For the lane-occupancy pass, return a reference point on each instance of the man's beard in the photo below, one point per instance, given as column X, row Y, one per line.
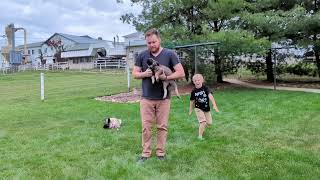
column 155, row 50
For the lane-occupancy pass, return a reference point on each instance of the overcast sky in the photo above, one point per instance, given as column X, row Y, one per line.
column 42, row 18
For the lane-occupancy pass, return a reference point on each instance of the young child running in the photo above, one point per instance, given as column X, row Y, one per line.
column 199, row 100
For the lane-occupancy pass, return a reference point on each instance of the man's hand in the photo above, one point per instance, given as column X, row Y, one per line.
column 147, row 73
column 216, row 109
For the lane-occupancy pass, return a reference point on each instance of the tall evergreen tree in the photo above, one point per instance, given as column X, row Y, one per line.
column 265, row 19
column 182, row 20
column 304, row 26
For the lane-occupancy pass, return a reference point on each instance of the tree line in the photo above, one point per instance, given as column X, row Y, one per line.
column 242, row 27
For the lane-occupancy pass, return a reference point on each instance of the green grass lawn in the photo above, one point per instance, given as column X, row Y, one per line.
column 259, row 134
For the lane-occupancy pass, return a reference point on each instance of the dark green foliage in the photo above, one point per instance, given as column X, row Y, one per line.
column 208, row 72
column 242, row 26
column 256, row 67
column 302, row 68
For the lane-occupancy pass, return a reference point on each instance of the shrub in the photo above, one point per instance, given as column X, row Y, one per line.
column 302, row 68
column 208, row 72
column 257, row 67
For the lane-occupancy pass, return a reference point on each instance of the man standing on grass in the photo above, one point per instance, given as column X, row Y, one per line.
column 152, row 104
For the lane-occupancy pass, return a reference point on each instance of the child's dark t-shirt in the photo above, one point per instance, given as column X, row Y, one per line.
column 201, row 98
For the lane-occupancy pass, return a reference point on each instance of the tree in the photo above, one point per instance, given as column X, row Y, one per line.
column 58, row 46
column 308, row 15
column 265, row 18
column 182, row 16
column 265, row 25
column 234, row 43
column 179, row 20
column 218, row 15
column 41, row 57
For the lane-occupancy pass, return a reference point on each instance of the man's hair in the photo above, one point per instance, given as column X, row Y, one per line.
column 198, row 76
column 152, row 31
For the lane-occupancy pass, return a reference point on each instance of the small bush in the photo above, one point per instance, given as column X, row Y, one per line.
column 208, row 72
column 301, row 69
column 257, row 67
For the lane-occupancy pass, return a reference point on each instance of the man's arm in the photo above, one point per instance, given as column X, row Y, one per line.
column 137, row 74
column 178, row 72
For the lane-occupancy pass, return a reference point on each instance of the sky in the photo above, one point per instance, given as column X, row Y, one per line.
column 43, row 18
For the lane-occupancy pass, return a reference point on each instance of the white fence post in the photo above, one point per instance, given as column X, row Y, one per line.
column 128, row 76
column 42, row 86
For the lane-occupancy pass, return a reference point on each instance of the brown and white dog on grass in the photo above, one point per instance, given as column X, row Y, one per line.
column 158, row 70
column 112, row 123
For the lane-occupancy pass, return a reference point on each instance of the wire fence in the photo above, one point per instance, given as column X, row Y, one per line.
column 31, row 85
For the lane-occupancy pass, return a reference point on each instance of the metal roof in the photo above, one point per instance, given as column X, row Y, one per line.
column 31, row 45
column 72, row 54
column 78, row 47
column 136, row 34
column 135, row 43
column 79, row 39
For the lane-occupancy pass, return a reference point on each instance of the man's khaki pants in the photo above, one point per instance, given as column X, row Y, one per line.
column 157, row 110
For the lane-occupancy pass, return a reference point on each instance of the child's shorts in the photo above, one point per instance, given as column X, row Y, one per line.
column 203, row 116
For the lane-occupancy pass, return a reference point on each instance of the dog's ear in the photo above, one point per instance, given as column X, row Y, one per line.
column 106, row 124
column 149, row 61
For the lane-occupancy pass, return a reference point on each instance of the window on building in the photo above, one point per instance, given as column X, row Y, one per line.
column 32, row 51
column 75, row 61
column 29, row 52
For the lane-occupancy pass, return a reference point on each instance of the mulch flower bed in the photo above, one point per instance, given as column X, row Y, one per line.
column 134, row 96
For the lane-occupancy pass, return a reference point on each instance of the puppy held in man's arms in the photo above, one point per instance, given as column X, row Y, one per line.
column 158, row 70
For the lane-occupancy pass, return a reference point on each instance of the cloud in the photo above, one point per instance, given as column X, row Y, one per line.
column 42, row 18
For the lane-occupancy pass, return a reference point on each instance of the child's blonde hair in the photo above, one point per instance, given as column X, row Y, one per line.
column 197, row 76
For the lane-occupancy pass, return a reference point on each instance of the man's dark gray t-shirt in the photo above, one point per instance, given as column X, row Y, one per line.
column 167, row 58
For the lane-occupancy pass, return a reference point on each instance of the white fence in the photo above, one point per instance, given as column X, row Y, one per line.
column 99, row 64
column 109, row 63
